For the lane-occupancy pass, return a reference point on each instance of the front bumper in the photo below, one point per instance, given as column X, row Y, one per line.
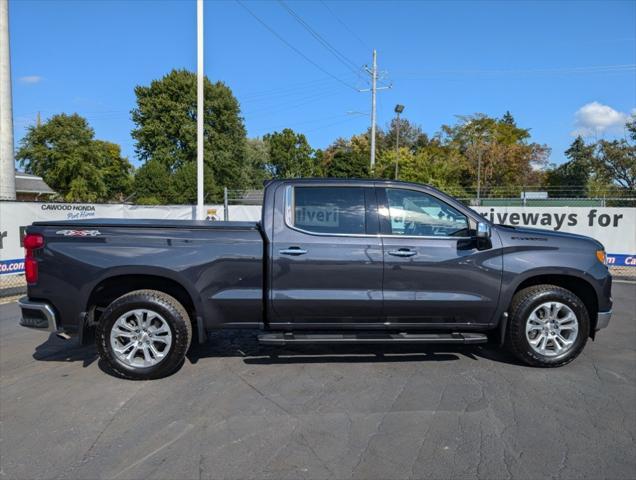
column 37, row 315
column 603, row 319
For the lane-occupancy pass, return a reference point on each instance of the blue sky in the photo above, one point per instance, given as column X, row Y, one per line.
column 540, row 60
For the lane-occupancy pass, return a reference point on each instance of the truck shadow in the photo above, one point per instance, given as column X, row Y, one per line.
column 244, row 344
column 55, row 349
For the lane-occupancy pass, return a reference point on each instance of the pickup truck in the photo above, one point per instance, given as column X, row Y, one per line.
column 331, row 261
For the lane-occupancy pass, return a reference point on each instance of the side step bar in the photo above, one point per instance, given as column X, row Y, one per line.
column 372, row 338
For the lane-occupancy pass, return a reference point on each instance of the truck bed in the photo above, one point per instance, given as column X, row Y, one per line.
column 218, row 265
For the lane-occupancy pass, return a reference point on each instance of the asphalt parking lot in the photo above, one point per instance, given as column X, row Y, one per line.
column 239, row 410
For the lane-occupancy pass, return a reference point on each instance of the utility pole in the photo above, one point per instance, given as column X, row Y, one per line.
column 200, row 113
column 373, row 71
column 7, row 163
column 374, row 78
column 38, row 121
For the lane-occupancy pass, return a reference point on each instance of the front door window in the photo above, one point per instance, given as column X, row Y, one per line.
column 414, row 213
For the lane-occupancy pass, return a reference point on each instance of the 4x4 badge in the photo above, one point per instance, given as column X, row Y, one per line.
column 78, row 233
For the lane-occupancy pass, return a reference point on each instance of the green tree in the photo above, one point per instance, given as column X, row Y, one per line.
column 508, row 119
column 117, row 171
column 616, row 162
column 346, row 158
column 411, row 135
column 152, row 183
column 64, row 152
column 572, row 176
column 165, row 118
column 258, row 161
column 438, row 165
column 290, row 155
column 500, row 147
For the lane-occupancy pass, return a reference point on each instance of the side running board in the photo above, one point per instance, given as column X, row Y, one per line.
column 372, row 338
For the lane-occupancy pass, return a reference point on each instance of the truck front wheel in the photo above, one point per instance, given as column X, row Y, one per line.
column 549, row 326
column 144, row 335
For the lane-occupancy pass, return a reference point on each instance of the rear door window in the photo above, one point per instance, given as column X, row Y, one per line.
column 336, row 210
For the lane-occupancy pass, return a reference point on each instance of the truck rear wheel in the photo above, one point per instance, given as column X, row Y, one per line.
column 549, row 326
column 144, row 335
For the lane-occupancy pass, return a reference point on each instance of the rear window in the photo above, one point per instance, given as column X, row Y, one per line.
column 329, row 209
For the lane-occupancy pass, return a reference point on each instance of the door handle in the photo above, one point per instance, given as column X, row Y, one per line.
column 402, row 252
column 293, row 251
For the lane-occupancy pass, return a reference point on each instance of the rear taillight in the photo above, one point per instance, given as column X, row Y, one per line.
column 32, row 241
column 31, row 269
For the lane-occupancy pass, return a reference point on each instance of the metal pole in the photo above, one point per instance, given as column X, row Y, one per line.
column 226, row 206
column 7, row 163
column 479, row 176
column 200, row 114
column 374, row 76
column 397, row 146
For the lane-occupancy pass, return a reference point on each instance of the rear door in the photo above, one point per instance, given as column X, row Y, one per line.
column 434, row 272
column 326, row 257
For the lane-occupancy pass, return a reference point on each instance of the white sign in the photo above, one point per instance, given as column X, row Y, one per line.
column 615, row 228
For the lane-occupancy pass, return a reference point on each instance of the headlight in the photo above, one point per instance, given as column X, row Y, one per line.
column 600, row 255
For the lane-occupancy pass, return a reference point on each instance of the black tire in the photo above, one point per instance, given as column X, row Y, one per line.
column 172, row 312
column 523, row 304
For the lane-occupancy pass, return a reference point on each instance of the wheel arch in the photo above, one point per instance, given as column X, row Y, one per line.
column 114, row 286
column 570, row 280
column 575, row 284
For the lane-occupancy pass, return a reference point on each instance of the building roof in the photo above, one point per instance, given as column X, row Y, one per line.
column 27, row 183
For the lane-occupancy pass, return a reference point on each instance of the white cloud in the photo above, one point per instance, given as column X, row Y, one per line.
column 30, row 79
column 595, row 119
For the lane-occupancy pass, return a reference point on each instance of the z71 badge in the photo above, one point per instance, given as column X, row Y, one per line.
column 78, row 233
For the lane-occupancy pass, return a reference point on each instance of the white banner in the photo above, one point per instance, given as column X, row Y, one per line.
column 615, row 228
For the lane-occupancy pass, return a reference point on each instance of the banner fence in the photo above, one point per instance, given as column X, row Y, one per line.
column 614, row 227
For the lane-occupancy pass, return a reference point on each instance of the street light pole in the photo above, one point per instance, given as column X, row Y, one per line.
column 200, row 113
column 398, row 109
column 479, row 176
column 7, row 165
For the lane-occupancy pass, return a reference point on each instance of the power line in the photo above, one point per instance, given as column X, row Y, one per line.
column 342, row 58
column 290, row 105
column 296, row 124
column 540, row 71
column 346, row 27
column 285, row 91
column 322, row 127
column 277, row 35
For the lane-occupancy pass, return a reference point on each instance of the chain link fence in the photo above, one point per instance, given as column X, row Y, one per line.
column 511, row 196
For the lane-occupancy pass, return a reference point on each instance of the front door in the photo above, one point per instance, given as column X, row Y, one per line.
column 327, row 258
column 434, row 272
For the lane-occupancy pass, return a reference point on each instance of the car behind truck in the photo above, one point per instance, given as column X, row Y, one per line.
column 331, row 261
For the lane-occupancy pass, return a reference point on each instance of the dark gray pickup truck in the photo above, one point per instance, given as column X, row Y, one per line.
column 331, row 261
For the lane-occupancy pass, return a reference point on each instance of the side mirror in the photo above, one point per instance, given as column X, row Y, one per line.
column 483, row 230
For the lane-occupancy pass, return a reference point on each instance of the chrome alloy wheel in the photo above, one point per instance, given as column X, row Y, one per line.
column 552, row 328
column 140, row 338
